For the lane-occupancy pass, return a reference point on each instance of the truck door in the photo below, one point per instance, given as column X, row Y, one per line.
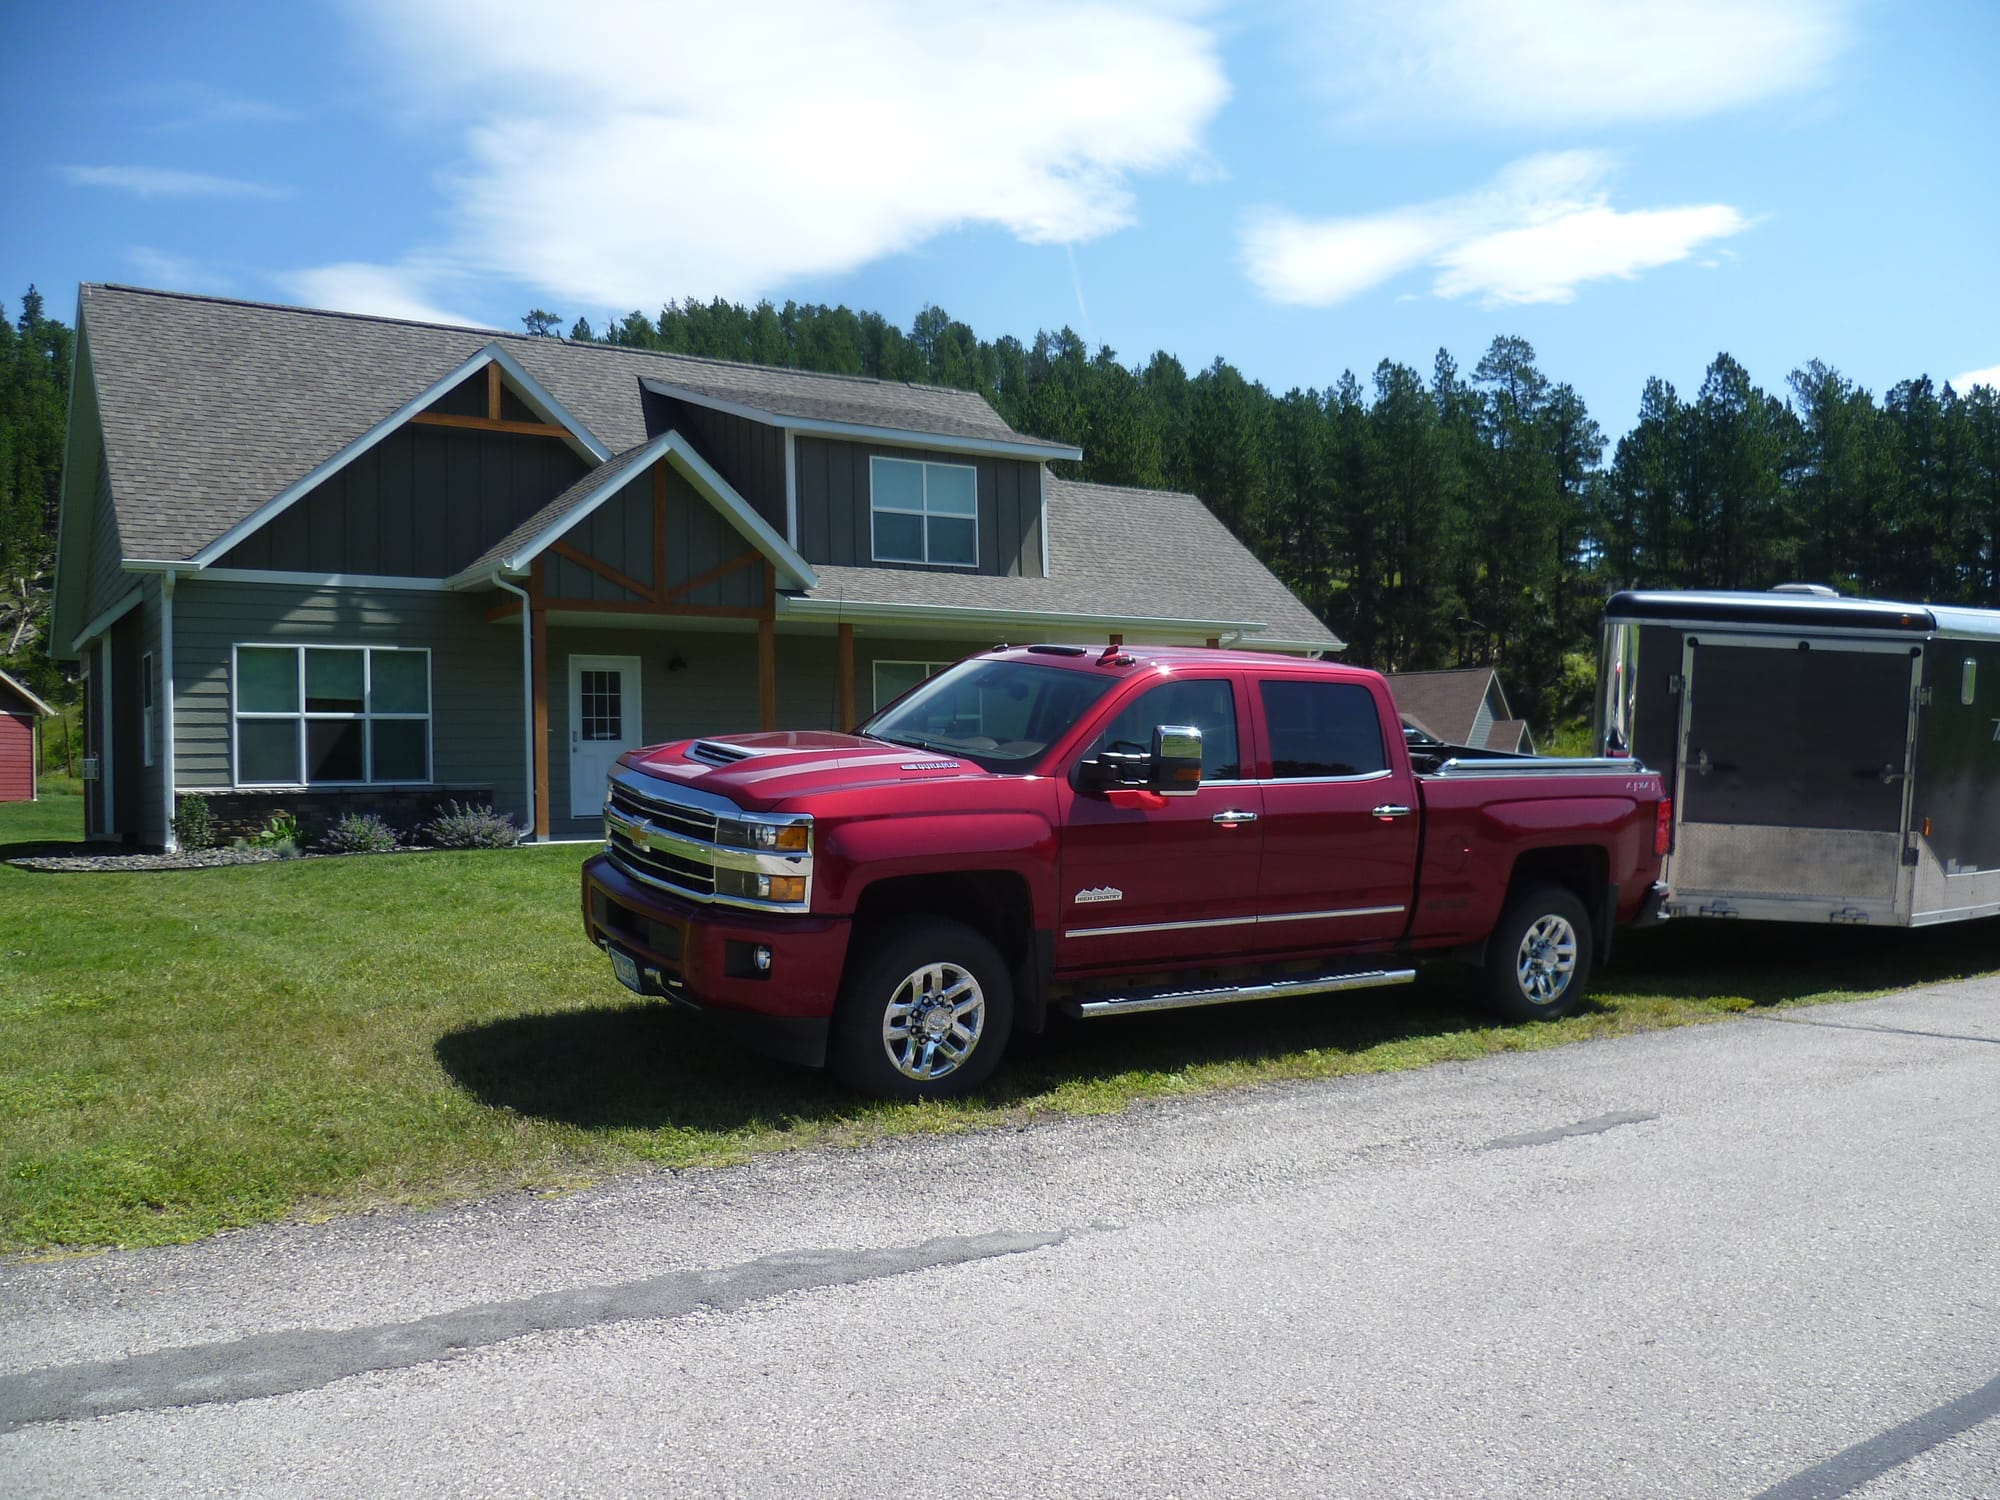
column 1174, row 881
column 1794, row 772
column 1340, row 821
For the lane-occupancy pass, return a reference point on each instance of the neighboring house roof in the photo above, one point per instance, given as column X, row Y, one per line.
column 191, row 455
column 11, row 689
column 1447, row 702
column 1509, row 734
column 1129, row 554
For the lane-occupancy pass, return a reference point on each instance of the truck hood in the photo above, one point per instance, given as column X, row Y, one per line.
column 754, row 769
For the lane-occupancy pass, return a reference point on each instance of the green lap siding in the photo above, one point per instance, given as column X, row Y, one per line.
column 476, row 709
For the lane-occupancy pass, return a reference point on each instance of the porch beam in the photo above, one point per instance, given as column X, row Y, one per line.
column 844, row 636
column 605, row 571
column 538, row 625
column 767, row 653
column 501, row 612
column 621, row 607
column 489, row 424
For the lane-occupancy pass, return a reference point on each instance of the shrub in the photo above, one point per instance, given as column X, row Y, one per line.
column 281, row 830
column 359, row 833
column 462, row 826
column 194, row 822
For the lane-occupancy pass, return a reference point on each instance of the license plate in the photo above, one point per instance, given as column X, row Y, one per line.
column 626, row 967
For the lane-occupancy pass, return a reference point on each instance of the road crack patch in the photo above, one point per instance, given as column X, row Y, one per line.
column 280, row 1363
column 1596, row 1125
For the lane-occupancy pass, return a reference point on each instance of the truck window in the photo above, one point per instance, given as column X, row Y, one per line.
column 1207, row 703
column 1322, row 729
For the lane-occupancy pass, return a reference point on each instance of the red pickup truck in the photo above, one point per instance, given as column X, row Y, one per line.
column 1105, row 831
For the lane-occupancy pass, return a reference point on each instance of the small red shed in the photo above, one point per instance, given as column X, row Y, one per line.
column 21, row 713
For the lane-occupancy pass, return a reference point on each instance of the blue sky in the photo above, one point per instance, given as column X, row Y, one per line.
column 1300, row 188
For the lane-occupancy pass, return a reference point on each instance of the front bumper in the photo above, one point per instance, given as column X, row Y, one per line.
column 703, row 957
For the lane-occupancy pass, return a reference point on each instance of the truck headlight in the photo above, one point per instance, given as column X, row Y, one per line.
column 756, row 886
column 778, row 838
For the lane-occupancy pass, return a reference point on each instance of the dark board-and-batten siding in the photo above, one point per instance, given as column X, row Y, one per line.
column 619, row 533
column 476, row 723
column 835, row 522
column 750, row 455
column 423, row 502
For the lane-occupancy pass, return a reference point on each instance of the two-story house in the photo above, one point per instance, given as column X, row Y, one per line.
column 312, row 561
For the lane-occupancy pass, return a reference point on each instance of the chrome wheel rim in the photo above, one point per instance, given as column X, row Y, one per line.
column 934, row 1020
column 1547, row 960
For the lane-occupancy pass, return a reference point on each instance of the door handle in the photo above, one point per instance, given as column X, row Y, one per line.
column 1231, row 819
column 1390, row 810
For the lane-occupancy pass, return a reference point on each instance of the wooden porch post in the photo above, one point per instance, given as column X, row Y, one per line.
column 538, row 627
column 767, row 653
column 1215, row 643
column 845, row 652
column 1117, row 639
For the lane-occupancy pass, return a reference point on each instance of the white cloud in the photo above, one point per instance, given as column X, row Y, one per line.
column 169, row 182
column 403, row 291
column 657, row 151
column 1545, row 63
column 1990, row 376
column 1538, row 231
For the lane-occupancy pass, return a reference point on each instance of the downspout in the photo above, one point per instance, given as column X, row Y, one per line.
column 168, row 840
column 527, row 695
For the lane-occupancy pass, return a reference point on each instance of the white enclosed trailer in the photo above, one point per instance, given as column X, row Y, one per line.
column 1831, row 760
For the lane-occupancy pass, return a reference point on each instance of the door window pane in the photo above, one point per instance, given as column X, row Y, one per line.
column 399, row 682
column 400, row 753
column 333, row 750
column 601, row 705
column 1322, row 729
column 267, row 680
column 1207, row 703
column 333, row 682
column 267, row 750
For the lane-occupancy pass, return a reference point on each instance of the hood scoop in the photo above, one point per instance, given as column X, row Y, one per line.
column 715, row 753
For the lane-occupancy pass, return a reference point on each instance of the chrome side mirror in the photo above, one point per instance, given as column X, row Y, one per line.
column 1176, row 760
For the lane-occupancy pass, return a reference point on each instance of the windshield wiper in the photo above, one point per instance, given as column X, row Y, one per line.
column 915, row 742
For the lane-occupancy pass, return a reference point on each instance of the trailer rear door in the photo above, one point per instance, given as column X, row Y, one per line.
column 1794, row 774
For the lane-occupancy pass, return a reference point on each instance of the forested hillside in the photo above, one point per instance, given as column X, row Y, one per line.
column 1432, row 518
column 1458, row 516
column 34, row 402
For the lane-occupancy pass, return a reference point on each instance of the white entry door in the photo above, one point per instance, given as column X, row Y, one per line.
column 603, row 725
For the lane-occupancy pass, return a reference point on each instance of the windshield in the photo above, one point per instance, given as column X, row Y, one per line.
column 998, row 714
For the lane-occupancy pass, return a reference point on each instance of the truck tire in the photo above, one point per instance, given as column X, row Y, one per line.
column 1538, row 959
column 924, row 1011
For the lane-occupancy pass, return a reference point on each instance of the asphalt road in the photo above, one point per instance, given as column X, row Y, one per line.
column 1755, row 1259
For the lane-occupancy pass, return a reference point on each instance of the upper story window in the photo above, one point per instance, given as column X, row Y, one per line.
column 306, row 715
column 924, row 512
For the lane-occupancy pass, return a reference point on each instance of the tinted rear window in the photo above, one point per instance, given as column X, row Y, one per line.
column 1322, row 729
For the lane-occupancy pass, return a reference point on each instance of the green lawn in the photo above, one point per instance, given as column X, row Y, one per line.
column 185, row 1051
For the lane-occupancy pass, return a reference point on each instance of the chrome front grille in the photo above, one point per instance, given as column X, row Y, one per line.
column 694, row 844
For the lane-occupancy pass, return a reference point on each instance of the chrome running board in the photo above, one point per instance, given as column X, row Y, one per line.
column 1147, row 1000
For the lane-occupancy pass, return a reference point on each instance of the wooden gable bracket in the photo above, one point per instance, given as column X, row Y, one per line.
column 605, row 571
column 492, row 421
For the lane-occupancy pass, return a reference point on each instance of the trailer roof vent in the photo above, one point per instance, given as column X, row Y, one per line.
column 1816, row 590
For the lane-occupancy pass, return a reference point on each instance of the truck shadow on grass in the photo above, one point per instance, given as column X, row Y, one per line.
column 647, row 1066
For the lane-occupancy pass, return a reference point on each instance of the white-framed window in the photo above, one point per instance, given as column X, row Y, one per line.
column 895, row 678
column 146, row 709
column 330, row 715
column 923, row 512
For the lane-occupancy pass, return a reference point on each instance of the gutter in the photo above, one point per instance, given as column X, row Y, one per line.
column 168, row 840
column 794, row 606
column 527, row 692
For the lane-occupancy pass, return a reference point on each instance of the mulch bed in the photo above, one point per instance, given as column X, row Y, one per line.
column 109, row 859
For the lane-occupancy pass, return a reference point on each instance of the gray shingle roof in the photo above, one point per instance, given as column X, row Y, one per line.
column 1447, row 701
column 212, row 407
column 1121, row 553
